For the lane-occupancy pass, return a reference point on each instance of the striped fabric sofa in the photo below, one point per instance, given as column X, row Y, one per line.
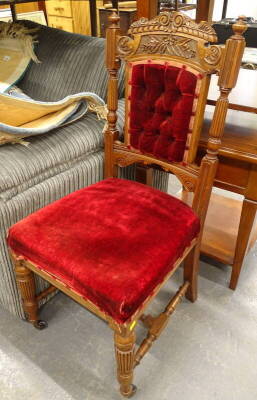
column 59, row 162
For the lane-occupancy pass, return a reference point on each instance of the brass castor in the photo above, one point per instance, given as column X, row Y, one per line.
column 40, row 324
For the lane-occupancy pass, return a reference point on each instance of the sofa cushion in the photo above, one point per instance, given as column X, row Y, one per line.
column 70, row 64
column 47, row 155
column 113, row 242
column 50, row 154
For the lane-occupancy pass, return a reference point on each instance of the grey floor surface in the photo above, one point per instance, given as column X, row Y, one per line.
column 208, row 351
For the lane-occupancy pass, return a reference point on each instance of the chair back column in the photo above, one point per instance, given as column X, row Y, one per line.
column 113, row 65
column 228, row 77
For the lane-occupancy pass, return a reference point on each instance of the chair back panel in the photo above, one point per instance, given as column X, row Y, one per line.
column 169, row 61
column 162, row 100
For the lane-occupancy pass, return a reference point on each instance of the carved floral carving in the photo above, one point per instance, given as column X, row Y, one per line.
column 126, row 159
column 213, row 55
column 173, row 45
column 125, row 45
column 174, row 22
column 185, row 181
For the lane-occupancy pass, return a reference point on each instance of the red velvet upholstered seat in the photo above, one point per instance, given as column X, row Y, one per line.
column 112, row 242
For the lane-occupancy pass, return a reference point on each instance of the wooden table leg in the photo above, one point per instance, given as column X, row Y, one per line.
column 144, row 175
column 204, row 10
column 147, row 8
column 245, row 226
column 92, row 6
column 244, row 231
column 13, row 12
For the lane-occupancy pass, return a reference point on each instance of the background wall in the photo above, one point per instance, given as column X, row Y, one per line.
column 235, row 8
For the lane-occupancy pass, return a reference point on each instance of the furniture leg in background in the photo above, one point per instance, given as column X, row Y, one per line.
column 92, row 5
column 245, row 228
column 204, row 10
column 13, row 11
column 78, row 11
column 147, row 8
column 224, row 10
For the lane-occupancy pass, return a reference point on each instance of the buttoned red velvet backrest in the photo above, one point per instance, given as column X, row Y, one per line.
column 162, row 100
column 168, row 66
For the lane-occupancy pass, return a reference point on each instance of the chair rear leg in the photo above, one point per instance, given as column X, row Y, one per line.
column 26, row 283
column 124, row 350
column 191, row 269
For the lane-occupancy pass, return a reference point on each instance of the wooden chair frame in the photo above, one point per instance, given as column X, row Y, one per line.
column 207, row 60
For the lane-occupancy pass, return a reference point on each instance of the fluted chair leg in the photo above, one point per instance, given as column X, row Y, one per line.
column 26, row 284
column 124, row 350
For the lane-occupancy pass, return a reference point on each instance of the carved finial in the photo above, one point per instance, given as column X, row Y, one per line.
column 113, row 19
column 239, row 27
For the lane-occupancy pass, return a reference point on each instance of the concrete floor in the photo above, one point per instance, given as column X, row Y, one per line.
column 208, row 351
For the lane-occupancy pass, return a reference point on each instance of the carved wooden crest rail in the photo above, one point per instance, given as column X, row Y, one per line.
column 173, row 35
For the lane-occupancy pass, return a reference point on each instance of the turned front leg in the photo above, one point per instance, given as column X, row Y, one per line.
column 124, row 349
column 26, row 283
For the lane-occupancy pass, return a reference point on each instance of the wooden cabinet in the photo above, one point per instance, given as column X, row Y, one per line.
column 61, row 8
column 127, row 16
column 21, row 8
column 68, row 15
column 63, row 23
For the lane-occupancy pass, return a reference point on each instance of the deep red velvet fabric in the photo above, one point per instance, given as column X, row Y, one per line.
column 112, row 242
column 161, row 103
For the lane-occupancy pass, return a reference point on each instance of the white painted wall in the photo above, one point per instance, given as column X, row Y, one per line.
column 235, row 8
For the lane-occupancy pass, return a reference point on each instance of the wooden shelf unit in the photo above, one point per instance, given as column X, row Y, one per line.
column 68, row 15
column 221, row 227
column 81, row 18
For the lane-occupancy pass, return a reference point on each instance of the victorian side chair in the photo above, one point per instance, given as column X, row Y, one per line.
column 112, row 245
